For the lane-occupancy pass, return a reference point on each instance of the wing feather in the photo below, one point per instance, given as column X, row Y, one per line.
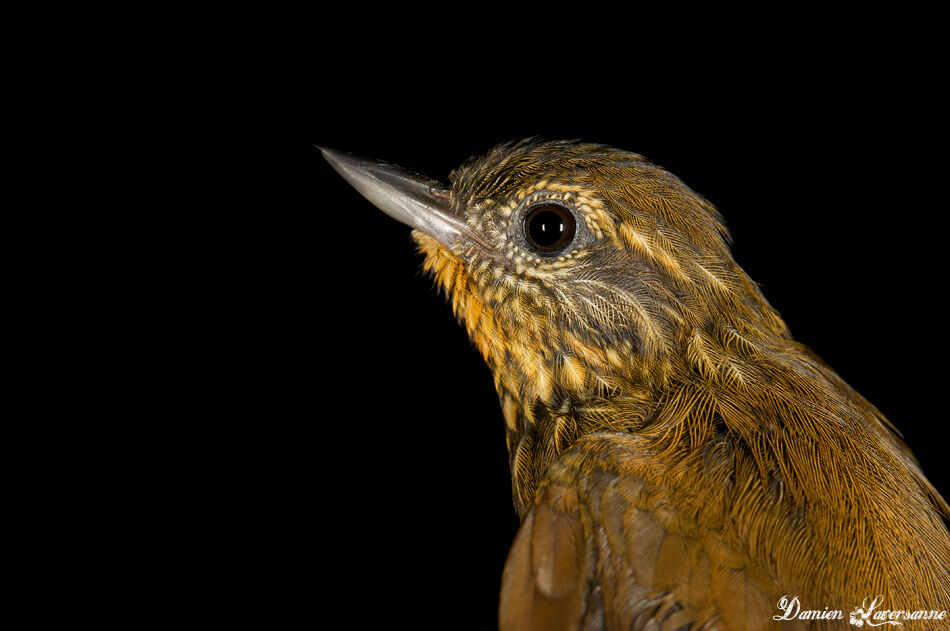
column 605, row 547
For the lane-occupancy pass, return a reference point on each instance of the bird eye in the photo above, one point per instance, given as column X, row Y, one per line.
column 549, row 228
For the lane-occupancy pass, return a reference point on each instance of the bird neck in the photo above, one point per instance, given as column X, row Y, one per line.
column 550, row 399
column 539, row 429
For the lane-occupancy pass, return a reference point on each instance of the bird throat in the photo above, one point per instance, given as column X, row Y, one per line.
column 549, row 397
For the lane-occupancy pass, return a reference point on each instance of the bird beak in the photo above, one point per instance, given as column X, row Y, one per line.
column 416, row 201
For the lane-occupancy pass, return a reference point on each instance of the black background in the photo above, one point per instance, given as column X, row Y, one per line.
column 243, row 399
column 379, row 464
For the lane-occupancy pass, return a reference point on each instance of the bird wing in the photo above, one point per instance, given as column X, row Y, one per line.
column 605, row 547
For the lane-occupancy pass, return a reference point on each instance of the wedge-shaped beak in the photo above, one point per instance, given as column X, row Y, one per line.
column 414, row 200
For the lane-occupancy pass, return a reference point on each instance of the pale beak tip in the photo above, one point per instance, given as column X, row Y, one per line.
column 332, row 155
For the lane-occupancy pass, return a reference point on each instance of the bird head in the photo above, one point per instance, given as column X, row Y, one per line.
column 578, row 270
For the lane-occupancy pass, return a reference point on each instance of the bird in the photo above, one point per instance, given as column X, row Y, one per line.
column 678, row 460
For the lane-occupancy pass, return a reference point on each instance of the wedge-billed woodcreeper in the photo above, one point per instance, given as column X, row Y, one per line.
column 678, row 460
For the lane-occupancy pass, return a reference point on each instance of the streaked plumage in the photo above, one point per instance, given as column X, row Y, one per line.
column 678, row 459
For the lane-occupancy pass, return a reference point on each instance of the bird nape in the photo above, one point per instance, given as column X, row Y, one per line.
column 678, row 460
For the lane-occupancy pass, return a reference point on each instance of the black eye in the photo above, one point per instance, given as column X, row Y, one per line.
column 549, row 227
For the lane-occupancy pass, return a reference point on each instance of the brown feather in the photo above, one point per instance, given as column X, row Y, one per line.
column 678, row 459
column 545, row 579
